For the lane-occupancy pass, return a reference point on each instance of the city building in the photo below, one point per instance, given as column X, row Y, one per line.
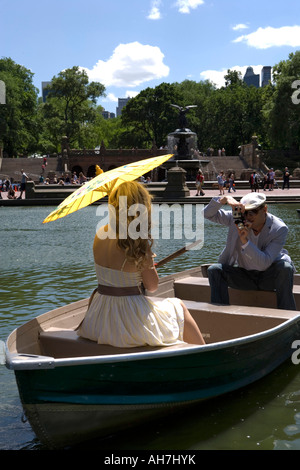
column 44, row 91
column 251, row 78
column 121, row 103
column 108, row 115
column 266, row 75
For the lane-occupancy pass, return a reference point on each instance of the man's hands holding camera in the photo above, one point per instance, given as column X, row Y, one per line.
column 243, row 226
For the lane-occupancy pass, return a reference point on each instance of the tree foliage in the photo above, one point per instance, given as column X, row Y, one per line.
column 18, row 122
column 71, row 105
column 224, row 117
column 234, row 116
column 282, row 112
column 150, row 117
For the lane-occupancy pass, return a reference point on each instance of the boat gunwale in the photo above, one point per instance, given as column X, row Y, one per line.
column 23, row 361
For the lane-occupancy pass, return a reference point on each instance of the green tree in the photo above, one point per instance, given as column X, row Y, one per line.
column 233, row 77
column 149, row 117
column 282, row 111
column 234, row 115
column 71, row 105
column 106, row 131
column 199, row 94
column 18, row 123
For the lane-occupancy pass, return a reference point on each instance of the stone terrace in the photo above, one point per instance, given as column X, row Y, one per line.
column 11, row 167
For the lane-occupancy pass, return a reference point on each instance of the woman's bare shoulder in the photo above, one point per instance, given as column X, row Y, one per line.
column 108, row 254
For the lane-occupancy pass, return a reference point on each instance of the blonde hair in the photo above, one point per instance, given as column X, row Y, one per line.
column 135, row 249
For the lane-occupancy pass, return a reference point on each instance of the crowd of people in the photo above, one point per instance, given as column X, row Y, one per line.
column 226, row 183
column 257, row 182
column 64, row 179
column 267, row 182
column 210, row 152
column 7, row 186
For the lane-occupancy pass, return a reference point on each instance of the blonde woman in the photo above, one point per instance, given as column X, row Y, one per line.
column 119, row 313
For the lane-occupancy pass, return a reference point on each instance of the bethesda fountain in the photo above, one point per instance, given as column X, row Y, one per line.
column 183, row 165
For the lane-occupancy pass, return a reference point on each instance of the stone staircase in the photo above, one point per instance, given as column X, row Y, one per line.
column 226, row 164
column 11, row 167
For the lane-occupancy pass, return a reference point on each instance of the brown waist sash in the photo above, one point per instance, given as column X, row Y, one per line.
column 115, row 291
column 118, row 291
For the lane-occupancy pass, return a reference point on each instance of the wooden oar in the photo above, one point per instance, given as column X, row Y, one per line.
column 176, row 253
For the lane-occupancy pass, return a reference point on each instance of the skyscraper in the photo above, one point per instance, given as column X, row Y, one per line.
column 44, row 91
column 108, row 115
column 266, row 75
column 121, row 103
column 251, row 78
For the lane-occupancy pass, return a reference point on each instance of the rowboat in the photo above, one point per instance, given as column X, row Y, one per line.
column 73, row 389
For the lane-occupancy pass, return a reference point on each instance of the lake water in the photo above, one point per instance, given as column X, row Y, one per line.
column 46, row 266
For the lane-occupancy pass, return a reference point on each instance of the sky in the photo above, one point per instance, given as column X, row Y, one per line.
column 130, row 45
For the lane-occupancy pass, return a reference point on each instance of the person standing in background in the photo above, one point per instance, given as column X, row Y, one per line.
column 221, row 181
column 272, row 178
column 199, row 183
column 24, row 179
column 286, row 178
column 231, row 183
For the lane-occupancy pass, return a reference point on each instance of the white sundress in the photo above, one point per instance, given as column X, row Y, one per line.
column 129, row 321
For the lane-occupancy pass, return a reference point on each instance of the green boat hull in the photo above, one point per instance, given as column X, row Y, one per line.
column 70, row 403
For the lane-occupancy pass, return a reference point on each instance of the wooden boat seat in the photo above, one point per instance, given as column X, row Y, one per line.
column 60, row 343
column 217, row 323
column 198, row 289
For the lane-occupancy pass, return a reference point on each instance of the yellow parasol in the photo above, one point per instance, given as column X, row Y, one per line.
column 102, row 185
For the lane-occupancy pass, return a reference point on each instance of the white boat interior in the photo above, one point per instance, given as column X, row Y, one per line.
column 53, row 334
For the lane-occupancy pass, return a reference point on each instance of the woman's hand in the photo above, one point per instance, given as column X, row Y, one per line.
column 149, row 274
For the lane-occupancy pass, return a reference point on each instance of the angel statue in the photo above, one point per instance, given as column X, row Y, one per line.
column 182, row 113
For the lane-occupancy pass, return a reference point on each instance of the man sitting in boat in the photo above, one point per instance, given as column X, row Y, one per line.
column 254, row 257
column 119, row 314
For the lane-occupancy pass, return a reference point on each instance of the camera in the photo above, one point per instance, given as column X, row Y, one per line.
column 238, row 217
